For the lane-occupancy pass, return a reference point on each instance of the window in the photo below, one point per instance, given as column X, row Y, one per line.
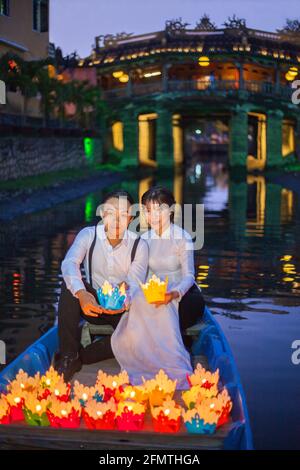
column 4, row 7
column 40, row 16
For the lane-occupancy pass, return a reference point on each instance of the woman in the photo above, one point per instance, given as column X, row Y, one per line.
column 148, row 336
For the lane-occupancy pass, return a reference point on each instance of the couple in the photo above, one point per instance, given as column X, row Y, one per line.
column 147, row 337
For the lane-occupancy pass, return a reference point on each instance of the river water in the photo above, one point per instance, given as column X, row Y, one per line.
column 248, row 269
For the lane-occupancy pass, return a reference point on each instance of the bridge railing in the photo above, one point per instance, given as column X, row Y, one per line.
column 206, row 86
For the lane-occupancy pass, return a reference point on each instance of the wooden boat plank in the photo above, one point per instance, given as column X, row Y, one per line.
column 104, row 330
column 20, row 436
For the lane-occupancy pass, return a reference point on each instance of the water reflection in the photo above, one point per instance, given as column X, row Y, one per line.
column 248, row 269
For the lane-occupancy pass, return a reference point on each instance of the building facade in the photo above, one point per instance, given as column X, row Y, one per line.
column 24, row 28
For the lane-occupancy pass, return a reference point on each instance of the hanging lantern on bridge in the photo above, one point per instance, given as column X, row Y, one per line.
column 118, row 74
column 124, row 78
column 291, row 74
column 203, row 61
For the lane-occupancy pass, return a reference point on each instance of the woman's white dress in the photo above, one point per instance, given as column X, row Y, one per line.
column 148, row 338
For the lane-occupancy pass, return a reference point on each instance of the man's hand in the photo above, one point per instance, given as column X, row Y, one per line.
column 112, row 312
column 169, row 296
column 88, row 303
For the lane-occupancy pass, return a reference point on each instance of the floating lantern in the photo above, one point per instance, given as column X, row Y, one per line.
column 48, row 382
column 60, row 390
column 83, row 393
column 207, row 380
column 155, row 289
column 4, row 411
column 64, row 414
column 167, row 417
column 130, row 416
column 111, row 297
column 201, row 420
column 136, row 393
column 221, row 404
column 15, row 399
column 112, row 383
column 193, row 396
column 100, row 415
column 25, row 382
column 35, row 410
column 159, row 388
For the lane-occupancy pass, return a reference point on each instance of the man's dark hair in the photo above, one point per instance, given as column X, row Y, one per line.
column 118, row 193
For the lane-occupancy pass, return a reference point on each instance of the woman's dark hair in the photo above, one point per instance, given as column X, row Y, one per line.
column 118, row 193
column 160, row 195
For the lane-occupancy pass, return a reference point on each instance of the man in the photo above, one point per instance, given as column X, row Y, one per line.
column 109, row 252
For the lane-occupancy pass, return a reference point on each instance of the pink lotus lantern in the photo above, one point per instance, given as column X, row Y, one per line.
column 48, row 383
column 4, row 411
column 207, row 380
column 64, row 414
column 100, row 415
column 130, row 416
column 112, row 383
column 15, row 399
column 167, row 417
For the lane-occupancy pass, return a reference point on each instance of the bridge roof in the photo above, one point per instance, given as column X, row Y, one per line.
column 123, row 48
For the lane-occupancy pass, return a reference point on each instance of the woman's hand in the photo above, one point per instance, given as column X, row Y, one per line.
column 125, row 285
column 88, row 303
column 169, row 296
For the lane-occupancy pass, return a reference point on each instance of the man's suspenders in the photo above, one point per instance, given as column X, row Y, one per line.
column 91, row 250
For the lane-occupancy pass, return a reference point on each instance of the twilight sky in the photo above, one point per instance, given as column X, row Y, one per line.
column 75, row 23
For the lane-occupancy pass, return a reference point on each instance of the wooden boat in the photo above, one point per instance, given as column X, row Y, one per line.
column 210, row 348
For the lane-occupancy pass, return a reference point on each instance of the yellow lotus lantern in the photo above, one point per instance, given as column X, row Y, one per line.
column 50, row 379
column 35, row 410
column 16, row 395
column 25, row 382
column 221, row 405
column 97, row 410
column 83, row 393
column 136, row 393
column 207, row 380
column 168, row 408
column 33, row 404
column 155, row 289
column 159, row 388
column 112, row 383
column 193, row 396
column 15, row 398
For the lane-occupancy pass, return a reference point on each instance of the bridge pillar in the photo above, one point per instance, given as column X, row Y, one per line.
column 164, row 138
column 130, row 138
column 274, row 138
column 238, row 146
